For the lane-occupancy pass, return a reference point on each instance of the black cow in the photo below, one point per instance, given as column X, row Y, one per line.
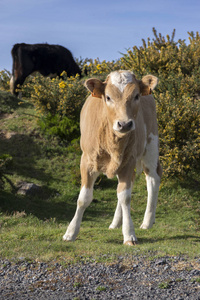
column 46, row 59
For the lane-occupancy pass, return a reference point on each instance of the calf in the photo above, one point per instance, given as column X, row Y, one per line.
column 46, row 59
column 119, row 132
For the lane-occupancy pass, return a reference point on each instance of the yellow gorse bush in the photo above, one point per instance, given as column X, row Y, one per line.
column 56, row 96
column 100, row 69
column 5, row 80
column 58, row 103
column 177, row 65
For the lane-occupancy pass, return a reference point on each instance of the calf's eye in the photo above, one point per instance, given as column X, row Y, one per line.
column 108, row 98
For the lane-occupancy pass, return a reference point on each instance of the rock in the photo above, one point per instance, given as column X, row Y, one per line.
column 160, row 262
column 25, row 188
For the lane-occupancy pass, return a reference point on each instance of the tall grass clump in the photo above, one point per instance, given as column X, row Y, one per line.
column 177, row 65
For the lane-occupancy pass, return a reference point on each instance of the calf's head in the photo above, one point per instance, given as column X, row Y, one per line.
column 121, row 95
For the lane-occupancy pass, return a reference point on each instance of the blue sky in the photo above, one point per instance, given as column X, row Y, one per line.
column 92, row 29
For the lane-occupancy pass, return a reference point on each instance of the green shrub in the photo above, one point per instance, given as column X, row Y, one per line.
column 177, row 65
column 5, row 80
column 58, row 103
column 178, row 120
column 61, row 126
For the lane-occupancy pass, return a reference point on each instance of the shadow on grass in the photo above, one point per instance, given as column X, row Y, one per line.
column 9, row 103
column 142, row 241
column 171, row 238
column 24, row 152
column 47, row 204
column 103, row 183
column 191, row 184
column 49, row 207
column 42, row 208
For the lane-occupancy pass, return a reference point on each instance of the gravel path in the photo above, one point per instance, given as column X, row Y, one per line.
column 137, row 278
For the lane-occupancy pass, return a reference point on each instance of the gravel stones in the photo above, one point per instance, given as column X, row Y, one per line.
column 136, row 278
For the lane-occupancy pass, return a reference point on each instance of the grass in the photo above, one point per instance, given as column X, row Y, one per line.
column 164, row 285
column 32, row 227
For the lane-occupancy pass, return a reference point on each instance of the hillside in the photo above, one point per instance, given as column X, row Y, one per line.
column 32, row 225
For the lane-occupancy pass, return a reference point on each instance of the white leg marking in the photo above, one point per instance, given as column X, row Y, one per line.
column 150, row 161
column 117, row 220
column 150, row 213
column 128, row 231
column 84, row 200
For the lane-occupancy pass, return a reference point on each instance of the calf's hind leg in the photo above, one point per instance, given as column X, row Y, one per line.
column 153, row 182
column 84, row 199
column 117, row 219
column 153, row 171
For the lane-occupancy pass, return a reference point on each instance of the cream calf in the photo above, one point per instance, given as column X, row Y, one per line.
column 119, row 132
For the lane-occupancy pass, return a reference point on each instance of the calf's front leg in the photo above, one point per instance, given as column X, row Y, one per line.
column 84, row 199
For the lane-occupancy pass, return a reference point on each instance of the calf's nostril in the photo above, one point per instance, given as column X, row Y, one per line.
column 120, row 124
column 129, row 124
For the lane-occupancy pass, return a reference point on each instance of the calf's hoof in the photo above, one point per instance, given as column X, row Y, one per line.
column 114, row 226
column 68, row 238
column 146, row 226
column 131, row 243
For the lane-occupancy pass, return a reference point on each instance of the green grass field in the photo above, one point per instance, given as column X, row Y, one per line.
column 32, row 227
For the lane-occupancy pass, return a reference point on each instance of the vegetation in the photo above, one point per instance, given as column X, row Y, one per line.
column 39, row 142
column 5, row 80
column 5, row 160
column 177, row 65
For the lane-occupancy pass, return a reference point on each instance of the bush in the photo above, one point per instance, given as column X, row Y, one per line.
column 61, row 126
column 5, row 80
column 177, row 66
column 100, row 69
column 58, row 103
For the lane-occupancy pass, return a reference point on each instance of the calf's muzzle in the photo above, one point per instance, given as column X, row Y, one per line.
column 124, row 127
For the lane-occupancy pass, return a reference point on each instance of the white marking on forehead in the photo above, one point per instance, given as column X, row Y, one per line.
column 121, row 79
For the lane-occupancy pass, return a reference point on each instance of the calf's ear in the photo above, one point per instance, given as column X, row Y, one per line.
column 95, row 86
column 147, row 84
